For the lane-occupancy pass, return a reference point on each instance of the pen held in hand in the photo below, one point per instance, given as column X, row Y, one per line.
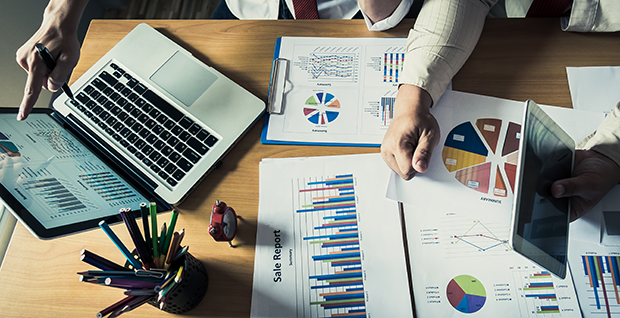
column 51, row 64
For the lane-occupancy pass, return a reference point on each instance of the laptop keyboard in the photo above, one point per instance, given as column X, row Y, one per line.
column 157, row 134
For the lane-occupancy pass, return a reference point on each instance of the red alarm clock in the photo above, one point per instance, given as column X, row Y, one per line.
column 223, row 224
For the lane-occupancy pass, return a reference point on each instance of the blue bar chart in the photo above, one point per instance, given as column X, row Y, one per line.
column 392, row 64
column 387, row 110
column 331, row 239
column 537, row 292
column 604, row 281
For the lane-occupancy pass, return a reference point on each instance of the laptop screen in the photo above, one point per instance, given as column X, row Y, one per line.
column 55, row 177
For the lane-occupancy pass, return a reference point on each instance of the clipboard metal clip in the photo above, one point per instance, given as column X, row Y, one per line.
column 277, row 86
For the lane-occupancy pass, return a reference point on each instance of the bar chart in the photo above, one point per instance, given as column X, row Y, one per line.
column 110, row 188
column 604, row 281
column 60, row 199
column 331, row 240
column 537, row 292
column 392, row 65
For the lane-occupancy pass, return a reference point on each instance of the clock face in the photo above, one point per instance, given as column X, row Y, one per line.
column 229, row 224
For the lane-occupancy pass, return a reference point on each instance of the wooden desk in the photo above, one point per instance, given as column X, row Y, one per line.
column 515, row 59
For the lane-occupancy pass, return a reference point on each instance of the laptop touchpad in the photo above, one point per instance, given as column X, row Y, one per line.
column 183, row 78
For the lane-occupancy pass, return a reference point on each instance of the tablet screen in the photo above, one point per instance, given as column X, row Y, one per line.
column 540, row 229
column 56, row 180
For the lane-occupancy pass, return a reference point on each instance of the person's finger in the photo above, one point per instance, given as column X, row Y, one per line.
column 423, row 153
column 403, row 156
column 32, row 89
column 390, row 161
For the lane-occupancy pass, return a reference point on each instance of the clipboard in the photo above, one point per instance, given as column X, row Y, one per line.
column 337, row 73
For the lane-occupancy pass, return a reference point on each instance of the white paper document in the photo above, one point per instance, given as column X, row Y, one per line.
column 338, row 90
column 458, row 219
column 594, row 88
column 329, row 244
column 594, row 258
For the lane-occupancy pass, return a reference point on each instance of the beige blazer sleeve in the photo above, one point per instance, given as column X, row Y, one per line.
column 443, row 36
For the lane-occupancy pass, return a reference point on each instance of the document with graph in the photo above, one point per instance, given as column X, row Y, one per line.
column 338, row 90
column 329, row 243
column 458, row 216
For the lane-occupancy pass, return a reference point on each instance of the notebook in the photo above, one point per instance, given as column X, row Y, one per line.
column 147, row 115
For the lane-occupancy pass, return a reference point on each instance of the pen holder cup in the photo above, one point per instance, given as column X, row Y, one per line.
column 187, row 294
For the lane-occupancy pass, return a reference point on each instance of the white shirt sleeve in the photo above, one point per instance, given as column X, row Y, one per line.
column 398, row 15
column 593, row 16
column 607, row 137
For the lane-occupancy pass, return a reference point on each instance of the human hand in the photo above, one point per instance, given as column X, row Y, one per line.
column 58, row 33
column 413, row 133
column 593, row 176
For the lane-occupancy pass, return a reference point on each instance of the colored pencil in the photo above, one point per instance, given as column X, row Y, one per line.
column 144, row 211
column 172, row 224
column 136, row 237
column 100, row 262
column 154, row 235
column 106, row 228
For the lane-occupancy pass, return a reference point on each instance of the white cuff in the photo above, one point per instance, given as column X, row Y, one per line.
column 394, row 19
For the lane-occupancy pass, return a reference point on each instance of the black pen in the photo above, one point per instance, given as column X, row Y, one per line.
column 51, row 64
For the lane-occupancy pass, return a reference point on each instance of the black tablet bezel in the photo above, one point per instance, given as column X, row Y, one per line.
column 524, row 192
column 36, row 228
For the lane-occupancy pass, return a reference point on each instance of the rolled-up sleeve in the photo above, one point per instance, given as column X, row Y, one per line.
column 443, row 37
column 606, row 139
column 593, row 16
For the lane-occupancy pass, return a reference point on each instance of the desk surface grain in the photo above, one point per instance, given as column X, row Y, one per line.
column 516, row 59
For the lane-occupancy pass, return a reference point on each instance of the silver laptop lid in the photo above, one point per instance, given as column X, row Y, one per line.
column 210, row 108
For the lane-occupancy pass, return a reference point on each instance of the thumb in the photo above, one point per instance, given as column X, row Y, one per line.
column 422, row 154
column 565, row 188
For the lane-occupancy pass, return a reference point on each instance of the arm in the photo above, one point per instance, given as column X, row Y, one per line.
column 597, row 168
column 58, row 32
column 443, row 37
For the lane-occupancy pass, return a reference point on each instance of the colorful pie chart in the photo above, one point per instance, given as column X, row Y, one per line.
column 466, row 294
column 467, row 154
column 321, row 108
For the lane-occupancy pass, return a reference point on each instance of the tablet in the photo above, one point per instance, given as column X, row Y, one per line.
column 540, row 222
column 54, row 183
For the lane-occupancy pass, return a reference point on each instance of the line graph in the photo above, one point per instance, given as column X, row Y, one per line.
column 481, row 238
column 329, row 64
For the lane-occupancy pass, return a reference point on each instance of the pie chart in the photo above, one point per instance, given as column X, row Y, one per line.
column 483, row 155
column 466, row 294
column 321, row 108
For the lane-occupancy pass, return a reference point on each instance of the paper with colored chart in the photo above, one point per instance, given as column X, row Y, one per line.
column 338, row 90
column 329, row 244
column 594, row 258
column 458, row 216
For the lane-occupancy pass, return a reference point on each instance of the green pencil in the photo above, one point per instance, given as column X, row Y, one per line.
column 154, row 235
column 173, row 222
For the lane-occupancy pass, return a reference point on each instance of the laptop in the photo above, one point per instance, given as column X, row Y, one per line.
column 149, row 121
column 540, row 222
